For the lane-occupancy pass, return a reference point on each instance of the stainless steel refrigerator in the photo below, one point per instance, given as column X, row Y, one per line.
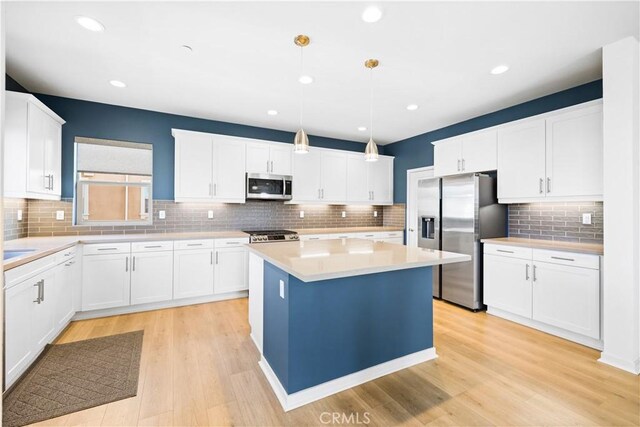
column 467, row 211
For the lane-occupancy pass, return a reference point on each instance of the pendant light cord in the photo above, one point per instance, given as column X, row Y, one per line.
column 301, row 85
column 371, row 104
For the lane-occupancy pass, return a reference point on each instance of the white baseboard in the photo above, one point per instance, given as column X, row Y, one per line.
column 320, row 391
column 552, row 330
column 255, row 342
column 82, row 315
column 616, row 362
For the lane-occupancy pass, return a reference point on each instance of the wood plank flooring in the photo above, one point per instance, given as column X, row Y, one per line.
column 199, row 367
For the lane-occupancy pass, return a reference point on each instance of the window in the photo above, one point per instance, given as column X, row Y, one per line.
column 113, row 182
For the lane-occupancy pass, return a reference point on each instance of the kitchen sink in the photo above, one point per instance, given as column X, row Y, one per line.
column 8, row 254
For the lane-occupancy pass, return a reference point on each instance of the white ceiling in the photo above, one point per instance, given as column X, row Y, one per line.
column 434, row 54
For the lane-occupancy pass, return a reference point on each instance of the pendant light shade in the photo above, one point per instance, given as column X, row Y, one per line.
column 371, row 150
column 301, row 142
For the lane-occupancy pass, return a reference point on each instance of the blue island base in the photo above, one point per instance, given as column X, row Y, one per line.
column 327, row 336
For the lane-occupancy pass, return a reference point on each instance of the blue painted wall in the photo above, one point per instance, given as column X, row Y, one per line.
column 417, row 151
column 331, row 328
column 92, row 119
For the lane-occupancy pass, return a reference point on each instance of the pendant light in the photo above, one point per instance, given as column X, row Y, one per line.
column 301, row 140
column 371, row 151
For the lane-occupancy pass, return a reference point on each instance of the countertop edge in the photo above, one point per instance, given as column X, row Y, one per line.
column 548, row 245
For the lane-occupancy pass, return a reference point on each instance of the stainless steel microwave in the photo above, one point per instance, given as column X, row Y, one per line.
column 268, row 187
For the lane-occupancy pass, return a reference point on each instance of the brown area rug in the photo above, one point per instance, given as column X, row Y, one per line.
column 75, row 376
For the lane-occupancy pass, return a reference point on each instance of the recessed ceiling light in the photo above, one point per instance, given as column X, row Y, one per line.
column 89, row 23
column 412, row 107
column 372, row 14
column 187, row 48
column 305, row 80
column 362, row 128
column 500, row 69
column 272, row 112
column 117, row 83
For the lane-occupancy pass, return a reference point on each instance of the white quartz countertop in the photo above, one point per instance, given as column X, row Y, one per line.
column 315, row 260
column 584, row 248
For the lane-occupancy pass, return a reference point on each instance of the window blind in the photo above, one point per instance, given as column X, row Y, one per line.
column 109, row 156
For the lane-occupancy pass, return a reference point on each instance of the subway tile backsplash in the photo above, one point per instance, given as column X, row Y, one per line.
column 14, row 228
column 253, row 215
column 394, row 215
column 560, row 221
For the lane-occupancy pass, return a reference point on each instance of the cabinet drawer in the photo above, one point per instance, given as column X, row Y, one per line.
column 305, row 237
column 567, row 258
column 26, row 271
column 370, row 235
column 193, row 244
column 508, row 251
column 344, row 236
column 65, row 255
column 390, row 234
column 228, row 243
column 151, row 246
column 107, row 248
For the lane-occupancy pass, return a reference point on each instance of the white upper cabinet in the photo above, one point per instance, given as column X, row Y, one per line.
column 521, row 160
column 574, row 153
column 266, row 157
column 358, row 190
column 209, row 167
column 333, row 177
column 33, row 147
column 380, row 179
column 306, row 175
column 472, row 152
column 557, row 156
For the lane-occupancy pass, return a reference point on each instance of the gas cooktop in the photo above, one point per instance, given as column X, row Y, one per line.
column 271, row 236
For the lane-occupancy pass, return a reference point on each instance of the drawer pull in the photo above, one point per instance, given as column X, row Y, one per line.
column 107, row 249
column 502, row 250
column 368, row 235
column 562, row 259
column 232, row 243
column 194, row 244
column 314, row 238
column 154, row 246
column 527, row 273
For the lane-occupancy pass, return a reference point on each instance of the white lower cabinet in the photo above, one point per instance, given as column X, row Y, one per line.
column 557, row 292
column 67, row 292
column 151, row 277
column 231, row 269
column 193, row 270
column 43, row 323
column 106, row 281
column 19, row 349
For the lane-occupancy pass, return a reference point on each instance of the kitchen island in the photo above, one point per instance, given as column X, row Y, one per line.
column 329, row 315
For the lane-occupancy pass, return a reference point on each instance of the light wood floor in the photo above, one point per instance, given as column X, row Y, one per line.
column 199, row 367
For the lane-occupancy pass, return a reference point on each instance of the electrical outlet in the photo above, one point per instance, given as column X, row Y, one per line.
column 210, row 214
column 375, row 214
column 586, row 218
column 344, row 214
column 60, row 215
column 282, row 289
column 19, row 214
column 301, row 214
column 162, row 214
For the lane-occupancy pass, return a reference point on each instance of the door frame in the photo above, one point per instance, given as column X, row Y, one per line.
column 411, row 219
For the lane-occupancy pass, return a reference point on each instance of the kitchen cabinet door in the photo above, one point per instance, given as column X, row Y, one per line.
column 480, row 151
column 19, row 302
column 230, row 270
column 37, row 129
column 357, row 184
column 258, row 158
column 521, row 160
column 151, row 277
column 65, row 293
column 42, row 315
column 306, row 176
column 334, row 177
column 447, row 157
column 567, row 297
column 380, row 178
column 507, row 284
column 574, row 153
column 193, row 273
column 105, row 281
column 193, row 167
column 229, row 165
column 52, row 155
column 280, row 157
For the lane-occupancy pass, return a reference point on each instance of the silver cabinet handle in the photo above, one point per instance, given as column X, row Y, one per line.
column 42, row 290
column 153, row 246
column 37, row 300
column 540, row 186
column 411, row 230
column 462, row 165
column 267, row 165
column 502, row 250
column 534, row 273
column 232, row 243
column 458, row 165
column 194, row 244
column 323, row 193
column 210, row 189
column 548, row 185
column 527, row 273
column 107, row 249
column 126, row 264
column 562, row 259
column 216, row 257
column 373, row 194
column 215, row 189
column 318, row 193
column 211, row 258
column 133, row 264
column 51, row 188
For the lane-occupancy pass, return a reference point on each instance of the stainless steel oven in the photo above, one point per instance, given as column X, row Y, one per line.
column 268, row 187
